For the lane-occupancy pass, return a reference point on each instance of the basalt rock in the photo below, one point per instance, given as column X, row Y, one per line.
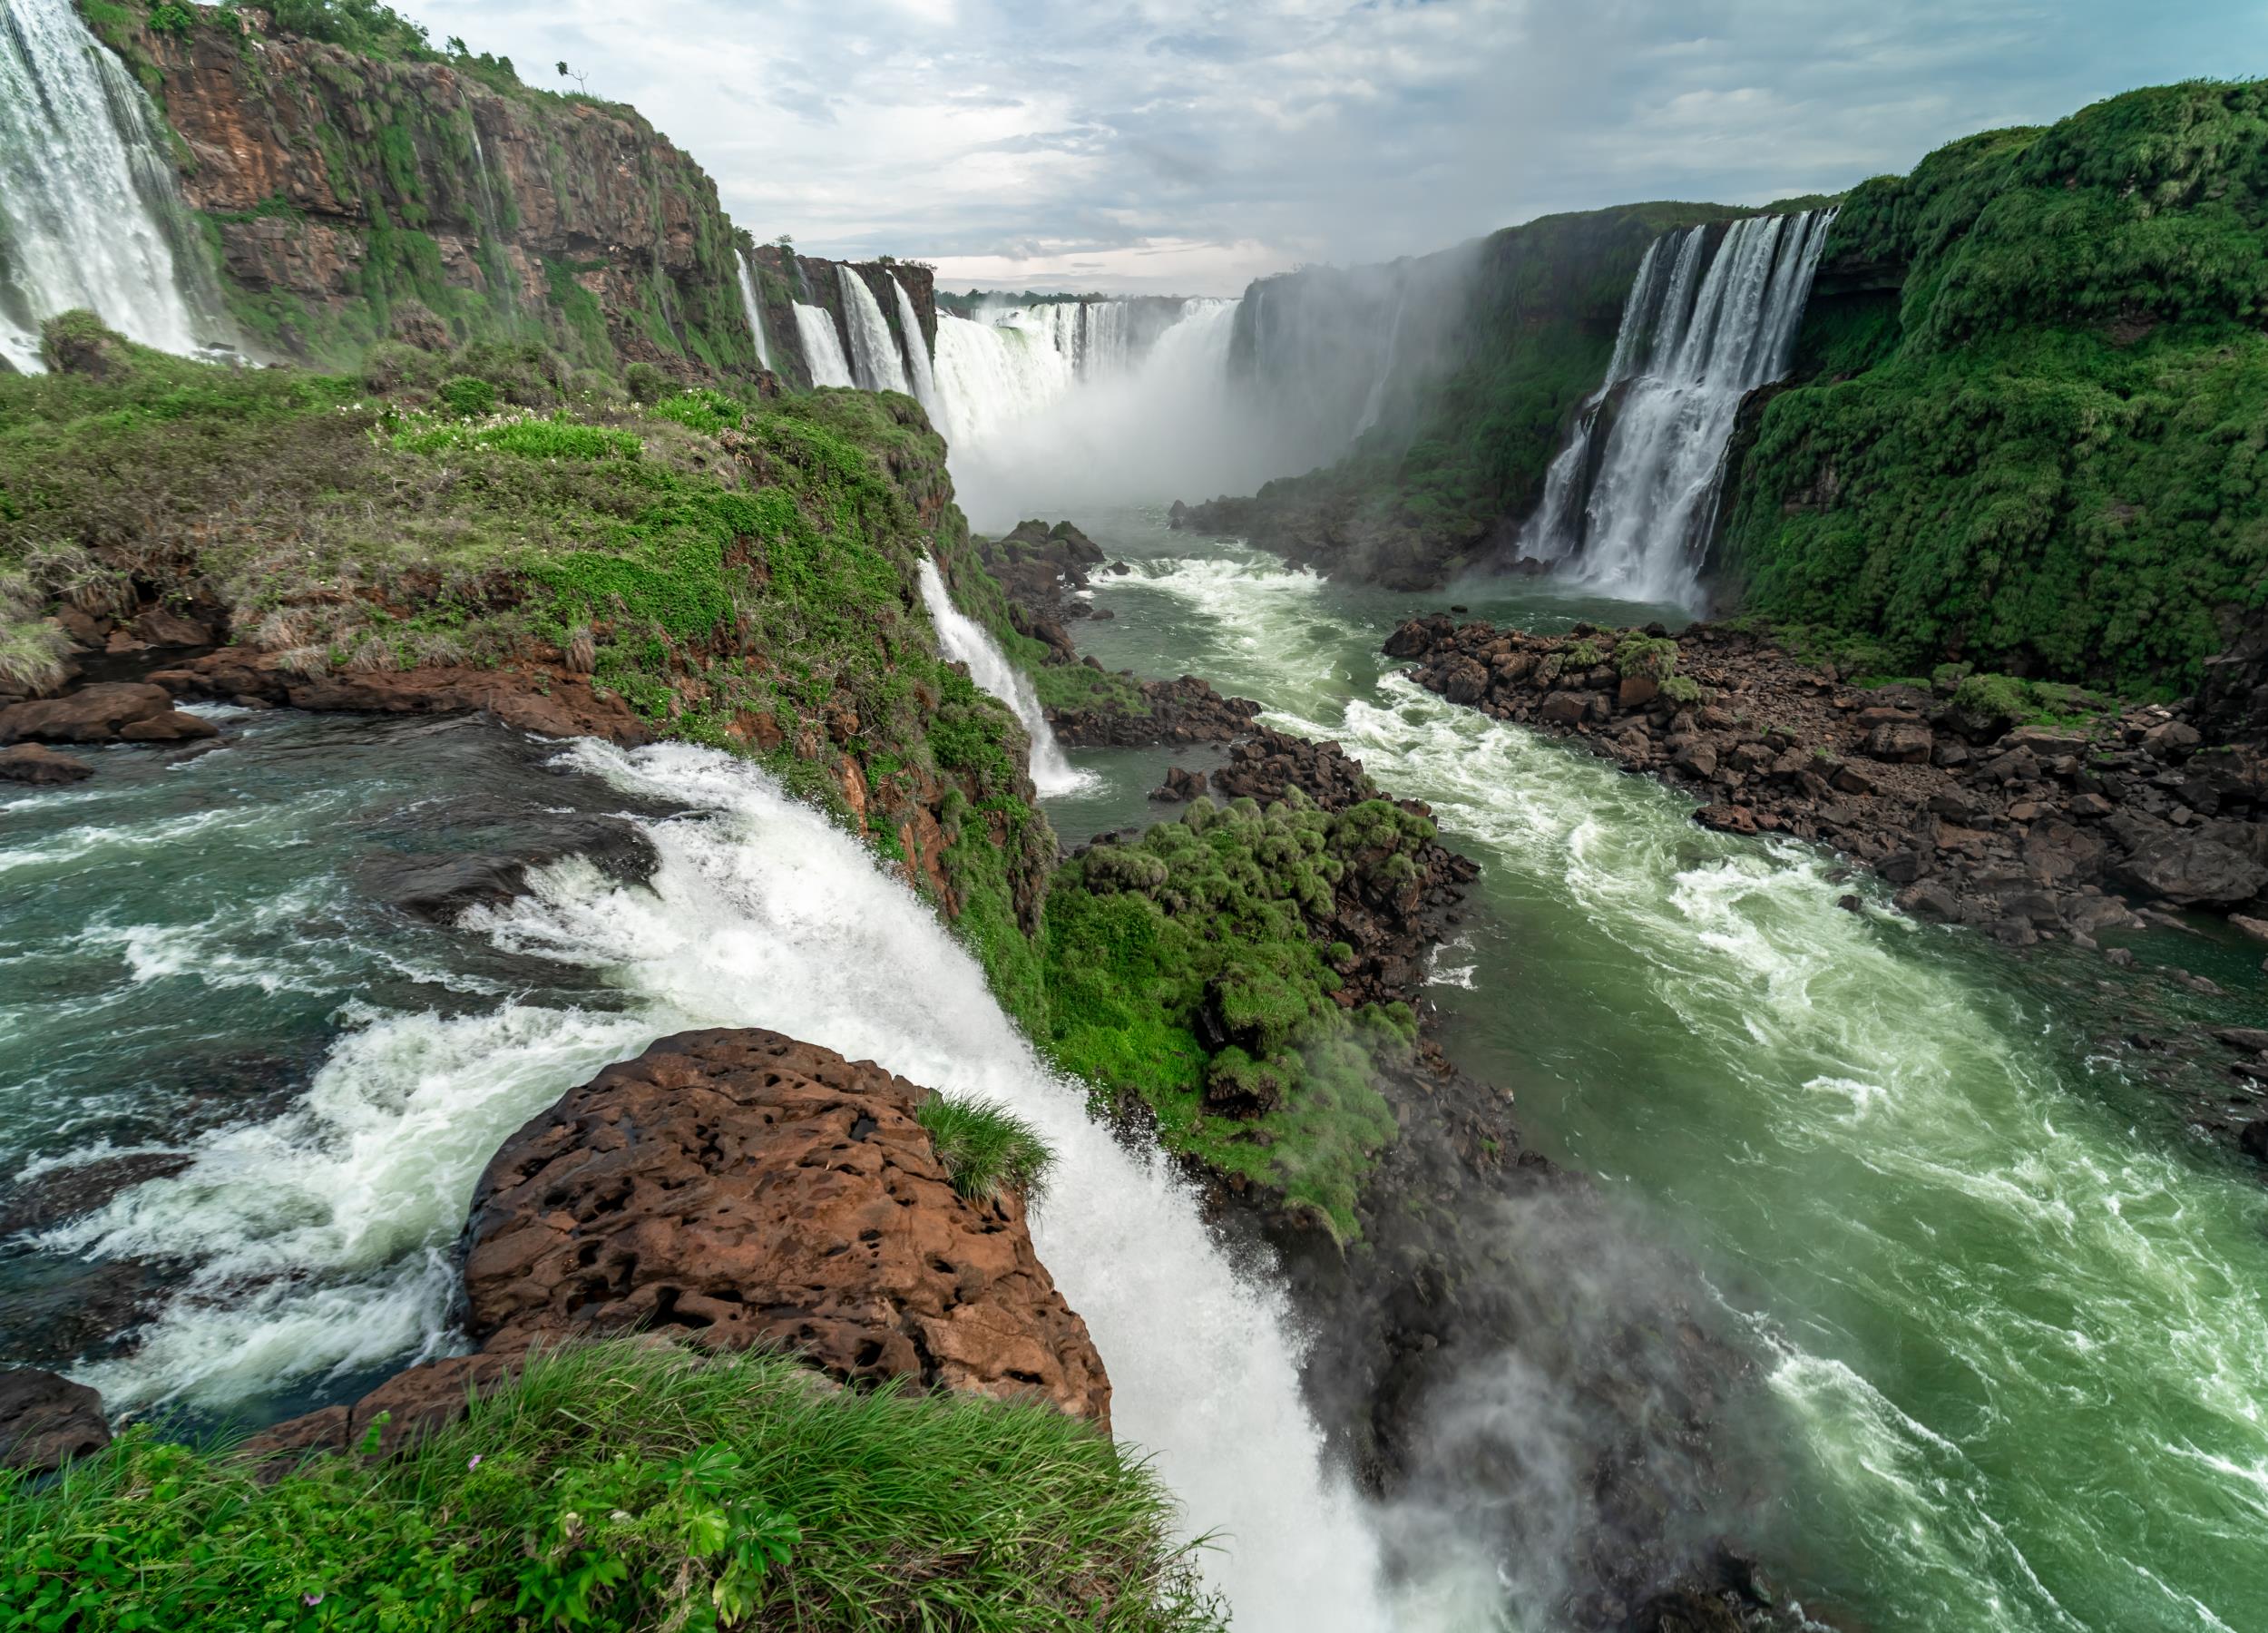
column 42, row 768
column 1187, row 711
column 47, row 1420
column 731, row 1188
column 111, row 712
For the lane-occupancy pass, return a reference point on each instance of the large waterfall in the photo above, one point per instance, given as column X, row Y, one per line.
column 1699, row 331
column 965, row 642
column 917, row 356
column 874, row 361
column 822, row 347
column 89, row 212
column 755, row 305
column 1028, row 422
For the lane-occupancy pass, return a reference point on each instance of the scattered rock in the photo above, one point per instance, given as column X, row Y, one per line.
column 43, row 768
column 47, row 1420
column 93, row 714
column 1179, row 786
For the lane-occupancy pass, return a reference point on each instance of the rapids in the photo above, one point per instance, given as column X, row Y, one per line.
column 2014, row 1320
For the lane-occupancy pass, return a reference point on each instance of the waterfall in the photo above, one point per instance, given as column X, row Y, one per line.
column 822, row 347
column 90, row 215
column 992, row 375
column 965, row 642
column 1699, row 331
column 917, row 358
column 874, row 361
column 1377, row 397
column 755, row 305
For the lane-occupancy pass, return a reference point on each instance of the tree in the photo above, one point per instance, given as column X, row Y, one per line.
column 582, row 81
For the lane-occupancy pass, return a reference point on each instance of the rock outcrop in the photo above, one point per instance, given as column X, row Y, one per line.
column 735, row 1187
column 1187, row 711
column 47, row 1420
column 111, row 713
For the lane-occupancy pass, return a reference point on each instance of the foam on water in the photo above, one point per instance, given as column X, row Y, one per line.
column 319, row 1239
column 1907, row 1149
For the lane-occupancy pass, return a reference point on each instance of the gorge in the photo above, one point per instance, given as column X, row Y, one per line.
column 472, row 614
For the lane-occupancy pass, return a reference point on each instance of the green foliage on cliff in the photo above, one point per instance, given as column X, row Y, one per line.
column 1218, row 927
column 620, row 1487
column 742, row 575
column 986, row 1148
column 2049, row 458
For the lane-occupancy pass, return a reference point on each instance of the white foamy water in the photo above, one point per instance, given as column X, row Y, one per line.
column 965, row 642
column 762, row 913
column 753, row 306
column 822, row 346
column 2021, row 1344
column 874, row 361
column 90, row 215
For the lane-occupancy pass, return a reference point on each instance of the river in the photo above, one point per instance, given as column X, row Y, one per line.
column 2010, row 1313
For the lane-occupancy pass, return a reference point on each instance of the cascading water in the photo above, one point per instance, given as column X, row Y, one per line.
column 917, row 356
column 1377, row 400
column 965, row 642
column 89, row 212
column 318, row 1235
column 1631, row 516
column 992, row 375
column 822, row 346
column 875, row 362
column 755, row 305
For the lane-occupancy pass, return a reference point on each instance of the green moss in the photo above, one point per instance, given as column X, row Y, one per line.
column 1216, row 926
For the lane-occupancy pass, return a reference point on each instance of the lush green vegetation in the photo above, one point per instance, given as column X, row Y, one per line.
column 1194, row 971
column 621, row 1487
column 987, row 1149
column 742, row 575
column 2045, row 453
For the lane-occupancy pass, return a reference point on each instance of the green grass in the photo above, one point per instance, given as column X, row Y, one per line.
column 622, row 1487
column 987, row 1149
column 2046, row 453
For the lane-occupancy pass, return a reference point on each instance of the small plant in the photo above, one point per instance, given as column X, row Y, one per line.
column 468, row 395
column 171, row 19
column 986, row 1148
column 1682, row 689
column 1585, row 654
column 1654, row 658
column 645, row 383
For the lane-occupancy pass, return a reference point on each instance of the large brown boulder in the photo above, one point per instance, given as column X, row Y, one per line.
column 101, row 714
column 761, row 1191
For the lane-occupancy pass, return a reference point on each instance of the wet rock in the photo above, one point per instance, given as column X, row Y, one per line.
column 64, row 1193
column 2192, row 872
column 1179, row 786
column 93, row 714
column 41, row 767
column 161, row 627
column 1905, row 742
column 46, row 1421
column 756, row 1190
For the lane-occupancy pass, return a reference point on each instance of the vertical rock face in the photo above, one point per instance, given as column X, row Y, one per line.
column 756, row 1190
column 349, row 194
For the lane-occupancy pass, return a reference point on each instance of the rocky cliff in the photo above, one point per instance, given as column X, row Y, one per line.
column 354, row 195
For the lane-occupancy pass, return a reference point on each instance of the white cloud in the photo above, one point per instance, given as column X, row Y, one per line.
column 1130, row 143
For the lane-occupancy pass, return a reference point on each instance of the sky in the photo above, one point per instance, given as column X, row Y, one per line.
column 1187, row 146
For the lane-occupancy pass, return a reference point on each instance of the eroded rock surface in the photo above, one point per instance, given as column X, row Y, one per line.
column 47, row 1420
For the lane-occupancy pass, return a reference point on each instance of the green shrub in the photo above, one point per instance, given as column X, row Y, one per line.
column 986, row 1148
column 1683, row 689
column 468, row 395
column 621, row 1486
column 1654, row 658
column 645, row 383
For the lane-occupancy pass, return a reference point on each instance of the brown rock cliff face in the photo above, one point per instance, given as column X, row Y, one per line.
column 353, row 199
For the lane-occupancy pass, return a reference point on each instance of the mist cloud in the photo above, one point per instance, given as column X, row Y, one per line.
column 1187, row 145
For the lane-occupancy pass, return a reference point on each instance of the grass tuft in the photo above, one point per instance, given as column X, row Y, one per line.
column 987, row 1149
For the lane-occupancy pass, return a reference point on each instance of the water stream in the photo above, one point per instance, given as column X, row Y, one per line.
column 2012, row 1316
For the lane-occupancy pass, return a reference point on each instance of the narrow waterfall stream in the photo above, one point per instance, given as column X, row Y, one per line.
column 89, row 214
column 876, row 364
column 822, row 346
column 755, row 307
column 965, row 642
column 2012, row 1320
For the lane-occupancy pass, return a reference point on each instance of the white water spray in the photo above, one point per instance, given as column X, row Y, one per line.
column 875, row 362
column 755, row 305
column 1631, row 517
column 761, row 913
column 89, row 212
column 991, row 376
column 822, row 347
column 965, row 642
column 917, row 356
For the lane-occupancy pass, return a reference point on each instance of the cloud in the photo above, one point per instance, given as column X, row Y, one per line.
column 1188, row 144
